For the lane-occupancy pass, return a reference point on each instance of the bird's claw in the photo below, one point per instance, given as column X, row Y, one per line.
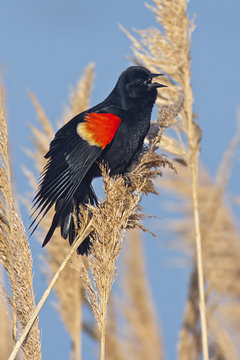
column 127, row 180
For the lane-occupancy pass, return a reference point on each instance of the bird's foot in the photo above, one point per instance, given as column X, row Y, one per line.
column 127, row 180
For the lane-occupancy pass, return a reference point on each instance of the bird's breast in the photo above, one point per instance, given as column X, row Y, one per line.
column 127, row 142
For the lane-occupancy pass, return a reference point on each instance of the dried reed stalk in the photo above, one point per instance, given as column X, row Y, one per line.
column 70, row 297
column 15, row 253
column 169, row 52
column 198, row 238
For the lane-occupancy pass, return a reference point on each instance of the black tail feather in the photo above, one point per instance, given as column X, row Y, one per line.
column 86, row 195
column 50, row 232
column 85, row 246
column 65, row 225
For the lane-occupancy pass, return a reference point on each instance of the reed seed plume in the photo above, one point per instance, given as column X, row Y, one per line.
column 110, row 221
column 120, row 210
column 15, row 253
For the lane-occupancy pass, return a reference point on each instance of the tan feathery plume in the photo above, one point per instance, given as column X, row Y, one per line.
column 70, row 294
column 15, row 252
column 111, row 218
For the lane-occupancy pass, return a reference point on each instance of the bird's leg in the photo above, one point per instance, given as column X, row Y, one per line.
column 93, row 196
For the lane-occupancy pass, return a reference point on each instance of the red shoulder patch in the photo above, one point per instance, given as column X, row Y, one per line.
column 98, row 129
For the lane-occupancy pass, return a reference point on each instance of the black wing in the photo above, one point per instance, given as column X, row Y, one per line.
column 70, row 157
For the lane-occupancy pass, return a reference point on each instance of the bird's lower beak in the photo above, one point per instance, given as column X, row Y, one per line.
column 154, row 85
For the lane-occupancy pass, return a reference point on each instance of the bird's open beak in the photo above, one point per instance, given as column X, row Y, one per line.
column 155, row 85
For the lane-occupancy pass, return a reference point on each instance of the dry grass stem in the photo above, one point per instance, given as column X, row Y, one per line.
column 198, row 238
column 15, row 253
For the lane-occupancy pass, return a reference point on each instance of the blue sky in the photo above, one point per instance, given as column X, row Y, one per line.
column 45, row 46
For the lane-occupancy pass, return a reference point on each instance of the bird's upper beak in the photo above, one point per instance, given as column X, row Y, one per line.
column 155, row 85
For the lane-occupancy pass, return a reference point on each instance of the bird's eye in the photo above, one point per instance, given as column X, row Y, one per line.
column 139, row 81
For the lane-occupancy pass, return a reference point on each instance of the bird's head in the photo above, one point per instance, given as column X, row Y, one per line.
column 137, row 82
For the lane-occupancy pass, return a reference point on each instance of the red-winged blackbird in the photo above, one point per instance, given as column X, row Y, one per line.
column 113, row 131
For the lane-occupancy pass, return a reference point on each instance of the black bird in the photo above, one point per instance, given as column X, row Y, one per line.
column 113, row 131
